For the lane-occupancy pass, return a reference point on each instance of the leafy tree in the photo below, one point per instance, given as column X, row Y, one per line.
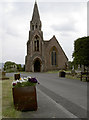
column 81, row 51
column 13, row 67
column 23, row 68
column 69, row 65
column 19, row 67
column 9, row 65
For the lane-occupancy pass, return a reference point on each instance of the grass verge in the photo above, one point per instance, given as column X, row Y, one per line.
column 7, row 100
column 72, row 77
column 0, row 99
column 55, row 71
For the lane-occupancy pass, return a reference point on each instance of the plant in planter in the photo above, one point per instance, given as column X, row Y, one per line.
column 24, row 94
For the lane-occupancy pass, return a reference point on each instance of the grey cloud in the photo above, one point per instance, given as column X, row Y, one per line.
column 12, row 32
column 23, row 8
column 20, row 15
column 64, row 27
column 59, row 7
column 9, row 29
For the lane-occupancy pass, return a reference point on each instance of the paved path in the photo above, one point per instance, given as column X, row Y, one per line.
column 47, row 108
column 59, row 97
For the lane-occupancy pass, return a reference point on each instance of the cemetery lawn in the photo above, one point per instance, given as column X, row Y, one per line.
column 8, row 110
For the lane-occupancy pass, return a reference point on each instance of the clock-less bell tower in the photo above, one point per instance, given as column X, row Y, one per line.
column 34, row 60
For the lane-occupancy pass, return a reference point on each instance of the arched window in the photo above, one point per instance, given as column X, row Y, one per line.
column 40, row 27
column 53, row 57
column 36, row 44
column 36, row 26
column 32, row 27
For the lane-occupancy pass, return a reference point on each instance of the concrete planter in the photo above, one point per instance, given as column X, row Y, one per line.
column 62, row 74
column 25, row 98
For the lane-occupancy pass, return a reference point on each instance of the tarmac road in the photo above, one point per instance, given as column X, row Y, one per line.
column 58, row 97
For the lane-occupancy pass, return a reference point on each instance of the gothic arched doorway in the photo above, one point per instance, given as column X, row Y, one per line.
column 37, row 65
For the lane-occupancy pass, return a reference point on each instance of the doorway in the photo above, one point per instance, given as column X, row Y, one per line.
column 37, row 66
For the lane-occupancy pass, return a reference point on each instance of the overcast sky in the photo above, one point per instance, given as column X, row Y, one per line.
column 66, row 20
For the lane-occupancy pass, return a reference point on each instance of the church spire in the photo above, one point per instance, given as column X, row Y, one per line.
column 35, row 23
column 35, row 16
column 35, row 1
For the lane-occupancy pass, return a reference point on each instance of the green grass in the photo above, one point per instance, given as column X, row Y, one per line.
column 75, row 77
column 7, row 100
column 0, row 96
column 67, row 76
column 55, row 71
column 27, row 83
column 72, row 77
column 0, row 99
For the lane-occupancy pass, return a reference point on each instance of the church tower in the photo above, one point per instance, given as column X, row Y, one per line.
column 42, row 55
column 34, row 59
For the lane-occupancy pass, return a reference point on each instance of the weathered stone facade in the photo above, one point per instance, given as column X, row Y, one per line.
column 42, row 55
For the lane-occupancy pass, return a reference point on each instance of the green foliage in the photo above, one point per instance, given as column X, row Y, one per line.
column 70, row 64
column 61, row 70
column 8, row 109
column 23, row 84
column 8, row 66
column 20, row 68
column 81, row 51
column 54, row 71
column 13, row 67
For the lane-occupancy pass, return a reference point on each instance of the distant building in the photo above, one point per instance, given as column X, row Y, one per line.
column 42, row 55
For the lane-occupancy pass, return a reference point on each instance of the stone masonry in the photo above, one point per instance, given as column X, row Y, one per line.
column 42, row 55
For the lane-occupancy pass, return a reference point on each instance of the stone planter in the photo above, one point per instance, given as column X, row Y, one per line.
column 62, row 74
column 25, row 98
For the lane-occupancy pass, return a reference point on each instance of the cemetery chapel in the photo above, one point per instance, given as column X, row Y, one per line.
column 42, row 55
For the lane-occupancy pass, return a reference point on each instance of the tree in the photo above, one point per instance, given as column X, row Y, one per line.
column 10, row 66
column 81, row 51
column 69, row 65
column 20, row 67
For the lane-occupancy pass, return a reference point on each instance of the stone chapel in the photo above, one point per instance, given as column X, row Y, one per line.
column 42, row 55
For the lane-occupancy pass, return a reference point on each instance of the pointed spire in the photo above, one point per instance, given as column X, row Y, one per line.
column 36, row 1
column 35, row 16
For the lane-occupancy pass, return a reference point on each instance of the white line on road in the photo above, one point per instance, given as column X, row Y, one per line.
column 59, row 106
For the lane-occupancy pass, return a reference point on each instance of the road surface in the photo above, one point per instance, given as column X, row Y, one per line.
column 59, row 97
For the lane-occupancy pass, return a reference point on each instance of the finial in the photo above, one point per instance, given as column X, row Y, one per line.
column 35, row 1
